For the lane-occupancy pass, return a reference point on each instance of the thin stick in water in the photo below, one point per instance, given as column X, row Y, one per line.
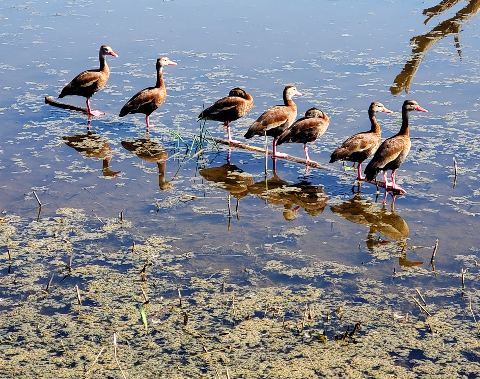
column 421, row 306
column 115, row 353
column 38, row 200
column 421, row 297
column 434, row 251
column 455, row 170
column 78, row 295
column 473, row 315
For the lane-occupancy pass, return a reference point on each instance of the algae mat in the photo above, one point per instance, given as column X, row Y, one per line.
column 76, row 301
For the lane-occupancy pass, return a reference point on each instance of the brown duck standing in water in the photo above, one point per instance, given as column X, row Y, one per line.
column 236, row 105
column 88, row 82
column 361, row 146
column 149, row 99
column 306, row 129
column 276, row 119
column 393, row 151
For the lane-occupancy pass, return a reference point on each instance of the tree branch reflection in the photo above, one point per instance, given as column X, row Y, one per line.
column 421, row 44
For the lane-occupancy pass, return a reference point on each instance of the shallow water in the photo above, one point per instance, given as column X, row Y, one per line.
column 340, row 55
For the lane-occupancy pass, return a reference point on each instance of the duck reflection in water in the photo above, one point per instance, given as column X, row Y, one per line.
column 230, row 178
column 293, row 197
column 92, row 145
column 151, row 151
column 388, row 224
column 421, row 44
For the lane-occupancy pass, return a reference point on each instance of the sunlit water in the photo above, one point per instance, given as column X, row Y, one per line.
column 340, row 55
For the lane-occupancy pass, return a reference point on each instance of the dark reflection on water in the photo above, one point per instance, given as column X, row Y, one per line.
column 423, row 43
column 379, row 220
column 273, row 190
column 151, row 151
column 92, row 145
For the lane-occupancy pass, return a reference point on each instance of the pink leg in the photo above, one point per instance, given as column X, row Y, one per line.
column 230, row 140
column 307, row 158
column 394, row 184
column 90, row 112
column 274, row 153
column 387, row 184
column 359, row 172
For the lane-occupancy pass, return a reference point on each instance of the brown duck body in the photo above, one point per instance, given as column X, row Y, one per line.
column 149, row 99
column 306, row 129
column 230, row 108
column 361, row 146
column 275, row 120
column 90, row 81
column 393, row 151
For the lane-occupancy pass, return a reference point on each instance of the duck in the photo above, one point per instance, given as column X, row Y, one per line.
column 361, row 146
column 230, row 108
column 306, row 129
column 90, row 81
column 393, row 151
column 149, row 99
column 275, row 120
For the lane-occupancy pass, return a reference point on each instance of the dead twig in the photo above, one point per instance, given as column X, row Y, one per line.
column 38, row 200
column 434, row 251
column 421, row 297
column 473, row 315
column 455, row 170
column 78, row 295
column 95, row 361
column 115, row 353
column 421, row 306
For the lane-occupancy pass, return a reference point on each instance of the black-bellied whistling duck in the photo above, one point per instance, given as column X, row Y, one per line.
column 149, row 99
column 276, row 119
column 393, row 150
column 363, row 145
column 88, row 82
column 306, row 129
column 237, row 104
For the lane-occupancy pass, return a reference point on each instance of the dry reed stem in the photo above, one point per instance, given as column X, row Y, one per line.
column 95, row 361
column 115, row 353
column 38, row 200
column 434, row 251
column 145, row 297
column 455, row 170
column 78, row 295
column 473, row 315
column 421, row 306
column 421, row 297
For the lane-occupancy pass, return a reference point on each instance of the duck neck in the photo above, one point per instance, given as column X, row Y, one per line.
column 160, row 77
column 375, row 128
column 103, row 63
column 404, row 130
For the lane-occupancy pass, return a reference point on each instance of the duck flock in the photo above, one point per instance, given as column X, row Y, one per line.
column 277, row 122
